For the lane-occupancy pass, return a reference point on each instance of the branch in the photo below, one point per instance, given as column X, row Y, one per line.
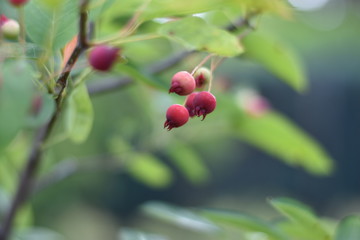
column 28, row 175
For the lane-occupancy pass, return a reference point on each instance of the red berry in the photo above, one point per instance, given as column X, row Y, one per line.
column 176, row 116
column 3, row 19
column 204, row 103
column 182, row 83
column 103, row 57
column 202, row 76
column 189, row 104
column 17, row 3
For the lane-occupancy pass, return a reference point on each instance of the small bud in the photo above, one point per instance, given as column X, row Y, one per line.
column 10, row 29
column 202, row 77
column 182, row 83
column 176, row 116
column 17, row 3
column 204, row 103
column 103, row 57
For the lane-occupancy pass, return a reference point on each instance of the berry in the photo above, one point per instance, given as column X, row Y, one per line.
column 176, row 116
column 3, row 19
column 103, row 57
column 10, row 29
column 202, row 76
column 182, row 83
column 204, row 103
column 189, row 104
column 17, row 3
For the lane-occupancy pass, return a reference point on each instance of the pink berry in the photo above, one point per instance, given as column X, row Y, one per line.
column 103, row 57
column 202, row 77
column 204, row 103
column 176, row 116
column 182, row 83
column 3, row 19
column 17, row 3
column 189, row 104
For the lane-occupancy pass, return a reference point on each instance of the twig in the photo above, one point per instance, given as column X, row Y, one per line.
column 32, row 164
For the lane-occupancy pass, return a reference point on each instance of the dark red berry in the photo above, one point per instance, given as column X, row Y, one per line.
column 17, row 3
column 189, row 104
column 176, row 116
column 202, row 77
column 103, row 57
column 204, row 103
column 182, row 83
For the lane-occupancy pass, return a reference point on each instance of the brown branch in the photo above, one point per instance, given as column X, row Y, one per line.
column 32, row 164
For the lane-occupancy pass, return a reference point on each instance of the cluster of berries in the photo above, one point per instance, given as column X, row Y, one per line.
column 196, row 104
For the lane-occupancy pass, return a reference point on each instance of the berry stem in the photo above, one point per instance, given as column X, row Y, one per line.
column 202, row 63
column 22, row 35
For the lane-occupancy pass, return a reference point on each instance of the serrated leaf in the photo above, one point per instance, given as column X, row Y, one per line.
column 189, row 163
column 79, row 114
column 276, row 58
column 150, row 171
column 302, row 217
column 348, row 229
column 51, row 27
column 195, row 33
column 278, row 136
column 16, row 90
column 243, row 222
column 179, row 217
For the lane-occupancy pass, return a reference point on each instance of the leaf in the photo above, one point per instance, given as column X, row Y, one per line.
column 189, row 163
column 37, row 234
column 51, row 27
column 179, row 217
column 79, row 114
column 195, row 33
column 243, row 222
column 97, row 7
column 276, row 58
column 150, row 171
column 303, row 218
column 348, row 229
column 130, row 234
column 68, row 50
column 278, row 136
column 15, row 98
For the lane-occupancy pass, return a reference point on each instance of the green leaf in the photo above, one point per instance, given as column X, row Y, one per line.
column 189, row 163
column 348, row 229
column 243, row 222
column 150, row 171
column 37, row 234
column 195, row 33
column 281, row 138
column 97, row 7
column 79, row 114
column 179, row 217
column 51, row 27
column 276, row 58
column 130, row 234
column 303, row 218
column 16, row 90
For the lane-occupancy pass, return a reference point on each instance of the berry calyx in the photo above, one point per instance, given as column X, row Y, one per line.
column 176, row 116
column 103, row 57
column 204, row 103
column 10, row 29
column 182, row 83
column 17, row 3
column 202, row 77
column 189, row 104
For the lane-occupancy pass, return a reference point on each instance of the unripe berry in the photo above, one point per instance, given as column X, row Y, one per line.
column 176, row 116
column 204, row 103
column 189, row 104
column 10, row 29
column 17, row 3
column 103, row 57
column 182, row 83
column 202, row 77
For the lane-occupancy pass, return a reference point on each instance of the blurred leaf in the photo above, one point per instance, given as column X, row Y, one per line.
column 24, row 217
column 179, row 217
column 189, row 163
column 243, row 222
column 15, row 98
column 51, row 27
column 37, row 234
column 276, row 58
column 129, row 234
column 195, row 33
column 280, row 137
column 150, row 171
column 303, row 218
column 79, row 114
column 97, row 7
column 348, row 229
column 47, row 108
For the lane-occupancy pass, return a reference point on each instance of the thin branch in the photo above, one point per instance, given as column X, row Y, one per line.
column 32, row 164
